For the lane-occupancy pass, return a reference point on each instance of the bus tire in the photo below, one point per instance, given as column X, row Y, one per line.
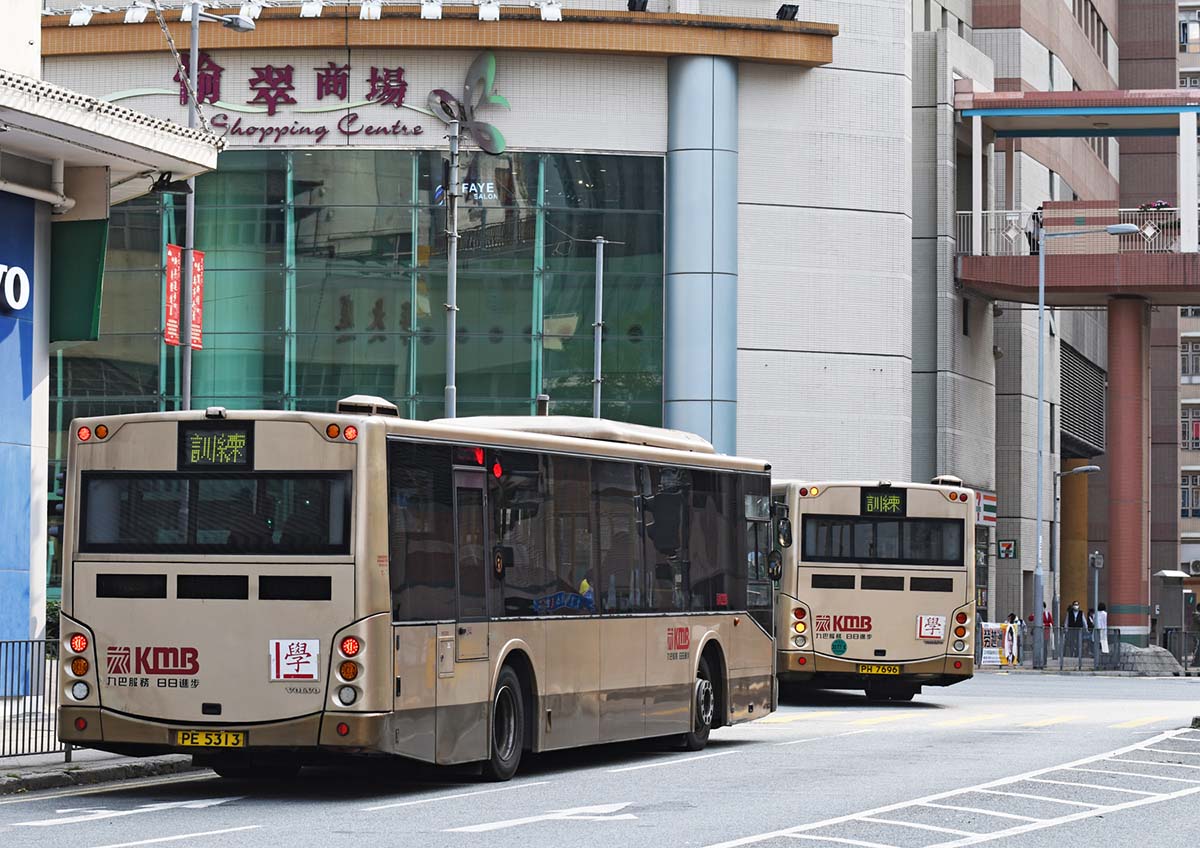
column 508, row 727
column 704, row 702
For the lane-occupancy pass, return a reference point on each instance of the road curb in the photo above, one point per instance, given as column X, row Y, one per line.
column 86, row 775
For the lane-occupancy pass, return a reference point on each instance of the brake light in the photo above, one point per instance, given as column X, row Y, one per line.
column 84, row 433
column 343, row 729
column 799, row 613
column 804, row 492
column 804, row 661
column 81, row 723
column 351, row 432
column 958, row 663
column 78, row 643
column 351, row 646
column 961, row 618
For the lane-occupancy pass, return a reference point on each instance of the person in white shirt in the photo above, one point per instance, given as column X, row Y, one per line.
column 1101, row 632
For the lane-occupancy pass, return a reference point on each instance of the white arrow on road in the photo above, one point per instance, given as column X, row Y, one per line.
column 95, row 814
column 598, row 812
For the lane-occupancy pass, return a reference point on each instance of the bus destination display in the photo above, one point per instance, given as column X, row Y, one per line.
column 208, row 447
column 890, row 502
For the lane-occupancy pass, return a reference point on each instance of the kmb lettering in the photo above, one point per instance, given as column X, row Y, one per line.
column 153, row 660
column 852, row 624
column 679, row 638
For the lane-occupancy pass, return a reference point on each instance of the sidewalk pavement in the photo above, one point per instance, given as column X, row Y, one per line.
column 49, row 771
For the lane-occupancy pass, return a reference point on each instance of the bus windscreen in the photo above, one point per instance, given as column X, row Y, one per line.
column 252, row 513
column 871, row 540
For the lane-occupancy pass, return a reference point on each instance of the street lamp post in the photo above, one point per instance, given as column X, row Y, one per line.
column 237, row 23
column 1039, row 652
column 1055, row 534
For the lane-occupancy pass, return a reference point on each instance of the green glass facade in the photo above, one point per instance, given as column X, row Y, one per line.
column 325, row 276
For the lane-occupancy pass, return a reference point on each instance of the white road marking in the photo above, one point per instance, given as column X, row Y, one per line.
column 917, row 826
column 931, row 800
column 181, row 836
column 672, row 761
column 819, row 738
column 983, row 812
column 1180, row 753
column 840, row 840
column 1154, row 763
column 97, row 814
column 598, row 812
column 1040, row 797
column 434, row 798
column 112, row 787
column 1091, row 785
column 1133, row 774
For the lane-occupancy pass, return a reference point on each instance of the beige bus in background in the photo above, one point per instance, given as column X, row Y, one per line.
column 878, row 586
column 269, row 589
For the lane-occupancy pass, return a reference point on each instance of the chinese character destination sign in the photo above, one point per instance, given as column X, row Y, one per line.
column 214, row 448
column 884, row 501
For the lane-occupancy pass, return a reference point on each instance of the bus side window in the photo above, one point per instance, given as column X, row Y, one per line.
column 420, row 531
column 618, row 545
column 759, row 589
column 665, row 513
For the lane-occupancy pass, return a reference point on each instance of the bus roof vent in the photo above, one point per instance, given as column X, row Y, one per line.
column 587, row 428
column 946, row 480
column 367, row 405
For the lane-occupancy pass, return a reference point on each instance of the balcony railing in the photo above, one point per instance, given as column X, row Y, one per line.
column 1012, row 233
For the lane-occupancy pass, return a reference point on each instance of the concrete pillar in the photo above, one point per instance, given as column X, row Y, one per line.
column 700, row 356
column 1073, row 537
column 1128, row 468
column 1187, row 182
column 977, row 186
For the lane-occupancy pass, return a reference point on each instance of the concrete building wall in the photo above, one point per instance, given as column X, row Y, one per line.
column 21, row 37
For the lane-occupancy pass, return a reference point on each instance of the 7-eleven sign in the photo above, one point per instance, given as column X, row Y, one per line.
column 985, row 508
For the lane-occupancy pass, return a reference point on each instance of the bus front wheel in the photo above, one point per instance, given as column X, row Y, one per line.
column 508, row 727
column 704, row 703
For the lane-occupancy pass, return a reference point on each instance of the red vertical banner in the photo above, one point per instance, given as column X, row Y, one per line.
column 174, row 272
column 197, row 300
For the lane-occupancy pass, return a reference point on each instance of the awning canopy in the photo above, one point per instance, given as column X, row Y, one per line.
column 1079, row 114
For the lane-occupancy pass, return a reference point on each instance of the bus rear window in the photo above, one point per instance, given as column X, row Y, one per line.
column 265, row 513
column 883, row 541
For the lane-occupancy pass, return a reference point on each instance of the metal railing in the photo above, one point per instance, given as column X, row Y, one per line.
column 1066, row 648
column 1185, row 647
column 1013, row 232
column 29, row 698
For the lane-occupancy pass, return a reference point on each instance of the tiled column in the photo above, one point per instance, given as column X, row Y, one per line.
column 1128, row 465
column 700, row 356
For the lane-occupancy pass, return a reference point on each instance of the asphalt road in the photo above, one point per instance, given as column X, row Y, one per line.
column 1012, row 760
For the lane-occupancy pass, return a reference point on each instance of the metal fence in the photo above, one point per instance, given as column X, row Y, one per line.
column 1066, row 648
column 29, row 698
column 1012, row 232
column 1185, row 647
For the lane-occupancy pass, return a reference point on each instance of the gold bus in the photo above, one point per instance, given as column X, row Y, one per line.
column 267, row 589
column 878, row 586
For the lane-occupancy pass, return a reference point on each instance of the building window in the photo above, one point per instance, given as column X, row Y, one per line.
column 1194, row 497
column 1189, row 419
column 1185, row 499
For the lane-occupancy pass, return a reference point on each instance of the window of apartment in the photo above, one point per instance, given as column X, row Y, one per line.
column 1189, row 34
column 1189, row 311
column 1189, row 495
column 1189, row 429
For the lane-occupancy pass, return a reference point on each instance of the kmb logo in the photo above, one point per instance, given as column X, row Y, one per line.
column 153, row 660
column 843, row 624
column 679, row 638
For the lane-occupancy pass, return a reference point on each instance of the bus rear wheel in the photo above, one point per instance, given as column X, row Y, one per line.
column 704, row 705
column 508, row 727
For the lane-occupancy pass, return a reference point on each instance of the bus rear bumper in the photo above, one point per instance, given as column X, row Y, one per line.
column 109, row 731
column 804, row 666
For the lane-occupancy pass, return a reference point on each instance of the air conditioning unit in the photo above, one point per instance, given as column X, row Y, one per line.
column 1194, row 568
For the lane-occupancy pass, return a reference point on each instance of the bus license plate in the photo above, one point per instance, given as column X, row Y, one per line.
column 211, row 738
column 871, row 668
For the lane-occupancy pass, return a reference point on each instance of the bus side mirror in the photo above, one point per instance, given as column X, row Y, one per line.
column 785, row 532
column 502, row 560
column 775, row 566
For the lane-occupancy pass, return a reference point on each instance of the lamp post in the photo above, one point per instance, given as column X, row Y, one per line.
column 1055, row 541
column 237, row 23
column 1039, row 652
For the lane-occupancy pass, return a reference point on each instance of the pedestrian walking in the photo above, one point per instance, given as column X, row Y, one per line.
column 1076, row 624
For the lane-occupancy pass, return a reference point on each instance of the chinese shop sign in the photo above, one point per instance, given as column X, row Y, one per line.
column 174, row 276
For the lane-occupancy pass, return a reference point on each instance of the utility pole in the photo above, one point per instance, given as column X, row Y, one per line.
column 452, row 274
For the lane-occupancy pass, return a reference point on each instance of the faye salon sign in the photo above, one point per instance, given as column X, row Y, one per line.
column 174, row 276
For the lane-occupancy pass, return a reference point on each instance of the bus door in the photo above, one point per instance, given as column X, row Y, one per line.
column 471, row 633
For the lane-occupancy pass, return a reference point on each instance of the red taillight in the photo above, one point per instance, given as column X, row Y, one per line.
column 78, row 643
column 804, row 493
column 799, row 613
column 350, row 433
column 804, row 661
column 81, row 723
column 343, row 729
column 958, row 663
column 351, row 646
column 84, row 433
column 961, row 618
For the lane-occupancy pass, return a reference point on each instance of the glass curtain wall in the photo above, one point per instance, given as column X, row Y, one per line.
column 325, row 276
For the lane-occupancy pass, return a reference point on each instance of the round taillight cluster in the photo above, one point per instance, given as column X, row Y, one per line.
column 351, row 646
column 809, row 491
column 349, row 432
column 78, row 643
column 84, row 433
